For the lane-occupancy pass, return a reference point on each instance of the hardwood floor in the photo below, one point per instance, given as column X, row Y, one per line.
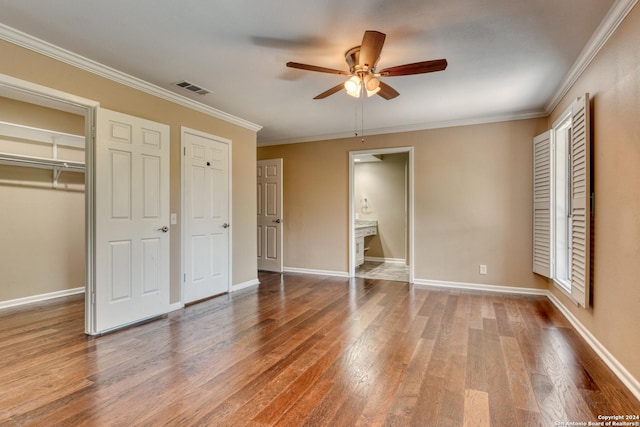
column 309, row 350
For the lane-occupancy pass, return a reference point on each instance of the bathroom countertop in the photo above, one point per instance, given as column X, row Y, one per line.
column 363, row 223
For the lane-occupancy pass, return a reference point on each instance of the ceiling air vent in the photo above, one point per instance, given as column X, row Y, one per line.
column 192, row 88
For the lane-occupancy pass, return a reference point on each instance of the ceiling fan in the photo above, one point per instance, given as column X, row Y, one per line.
column 362, row 61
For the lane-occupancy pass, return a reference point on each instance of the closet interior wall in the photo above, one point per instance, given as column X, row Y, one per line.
column 42, row 230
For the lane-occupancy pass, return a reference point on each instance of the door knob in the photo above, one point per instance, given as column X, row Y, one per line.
column 225, row 225
column 277, row 221
column 164, row 229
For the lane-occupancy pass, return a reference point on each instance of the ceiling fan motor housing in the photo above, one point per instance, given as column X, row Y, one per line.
column 352, row 56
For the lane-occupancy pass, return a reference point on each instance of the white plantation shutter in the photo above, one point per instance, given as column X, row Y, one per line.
column 580, row 200
column 542, row 204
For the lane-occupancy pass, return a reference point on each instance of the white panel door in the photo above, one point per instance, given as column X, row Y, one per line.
column 206, row 172
column 270, row 232
column 132, row 218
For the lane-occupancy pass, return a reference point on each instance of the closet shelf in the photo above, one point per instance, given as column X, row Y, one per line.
column 14, row 130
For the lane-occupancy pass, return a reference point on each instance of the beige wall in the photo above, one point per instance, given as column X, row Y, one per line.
column 41, row 228
column 473, row 203
column 42, row 234
column 26, row 114
column 315, row 204
column 613, row 82
column 384, row 185
column 33, row 67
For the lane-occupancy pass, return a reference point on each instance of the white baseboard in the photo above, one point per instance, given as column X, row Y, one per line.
column 175, row 307
column 316, row 272
column 480, row 287
column 245, row 285
column 382, row 259
column 42, row 297
column 58, row 294
column 621, row 372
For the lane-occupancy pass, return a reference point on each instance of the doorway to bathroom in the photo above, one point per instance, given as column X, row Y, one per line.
column 381, row 206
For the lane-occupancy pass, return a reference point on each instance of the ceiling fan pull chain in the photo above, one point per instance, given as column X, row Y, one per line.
column 362, row 118
column 356, row 119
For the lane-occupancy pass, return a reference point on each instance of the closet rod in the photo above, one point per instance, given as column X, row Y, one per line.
column 35, row 162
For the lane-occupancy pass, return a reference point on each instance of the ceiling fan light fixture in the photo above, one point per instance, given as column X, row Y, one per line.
column 371, row 83
column 355, row 94
column 353, row 84
column 370, row 93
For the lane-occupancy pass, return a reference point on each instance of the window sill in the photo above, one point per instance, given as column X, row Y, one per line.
column 564, row 287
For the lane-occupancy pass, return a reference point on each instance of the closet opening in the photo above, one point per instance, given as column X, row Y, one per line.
column 43, row 248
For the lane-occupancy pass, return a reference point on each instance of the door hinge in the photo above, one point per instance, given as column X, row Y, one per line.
column 184, row 151
column 184, row 278
column 93, row 297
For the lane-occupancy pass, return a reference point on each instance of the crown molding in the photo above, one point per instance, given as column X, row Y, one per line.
column 607, row 27
column 45, row 48
column 409, row 128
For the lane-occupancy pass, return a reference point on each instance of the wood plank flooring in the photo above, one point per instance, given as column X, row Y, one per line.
column 305, row 350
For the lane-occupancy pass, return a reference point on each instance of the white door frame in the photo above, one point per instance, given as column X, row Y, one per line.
column 15, row 88
column 183, row 238
column 352, row 211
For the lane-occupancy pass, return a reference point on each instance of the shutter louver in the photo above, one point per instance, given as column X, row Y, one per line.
column 542, row 204
column 580, row 201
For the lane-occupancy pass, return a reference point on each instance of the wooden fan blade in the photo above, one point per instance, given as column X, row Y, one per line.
column 415, row 68
column 316, row 68
column 370, row 48
column 387, row 92
column 330, row 91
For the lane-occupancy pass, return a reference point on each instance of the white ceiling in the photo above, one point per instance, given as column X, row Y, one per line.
column 507, row 58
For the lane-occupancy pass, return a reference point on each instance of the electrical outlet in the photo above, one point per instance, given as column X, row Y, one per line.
column 483, row 269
